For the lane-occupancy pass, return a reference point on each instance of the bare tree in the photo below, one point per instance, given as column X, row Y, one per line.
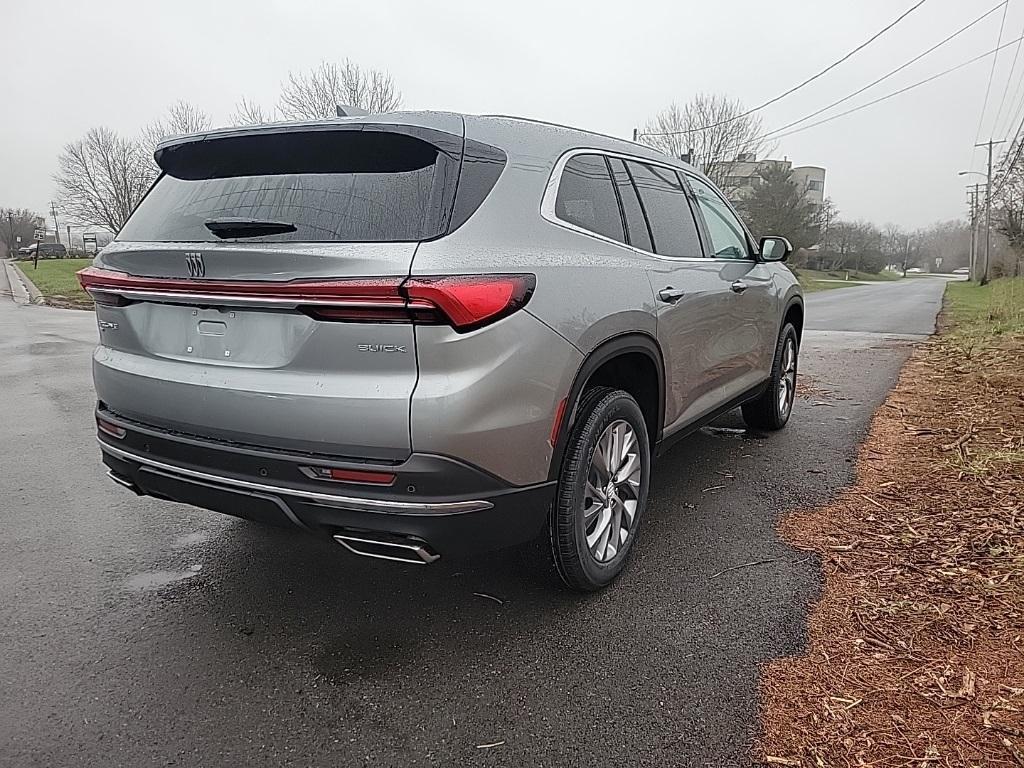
column 713, row 128
column 315, row 94
column 182, row 117
column 102, row 177
column 18, row 222
column 250, row 113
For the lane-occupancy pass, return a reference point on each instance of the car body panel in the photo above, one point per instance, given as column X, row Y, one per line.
column 493, row 398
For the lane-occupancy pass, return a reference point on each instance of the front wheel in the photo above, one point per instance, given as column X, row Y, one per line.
column 772, row 408
column 602, row 490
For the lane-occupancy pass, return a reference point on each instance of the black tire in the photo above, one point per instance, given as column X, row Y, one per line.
column 601, row 409
column 773, row 407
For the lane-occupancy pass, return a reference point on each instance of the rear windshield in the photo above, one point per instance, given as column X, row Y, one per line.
column 338, row 185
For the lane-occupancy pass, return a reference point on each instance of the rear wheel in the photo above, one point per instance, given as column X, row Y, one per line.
column 771, row 410
column 602, row 490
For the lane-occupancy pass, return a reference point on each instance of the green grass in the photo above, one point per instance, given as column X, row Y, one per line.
column 813, row 286
column 814, row 280
column 56, row 278
column 992, row 310
column 840, row 274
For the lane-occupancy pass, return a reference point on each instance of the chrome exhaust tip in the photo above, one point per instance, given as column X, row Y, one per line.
column 384, row 546
column 123, row 482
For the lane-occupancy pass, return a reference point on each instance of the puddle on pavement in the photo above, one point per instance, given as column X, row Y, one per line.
column 190, row 540
column 733, row 432
column 152, row 580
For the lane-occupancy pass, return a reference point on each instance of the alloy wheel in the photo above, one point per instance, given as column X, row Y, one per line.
column 787, row 378
column 613, row 491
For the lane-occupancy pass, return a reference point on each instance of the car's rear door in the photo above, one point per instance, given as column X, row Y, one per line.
column 254, row 295
column 687, row 290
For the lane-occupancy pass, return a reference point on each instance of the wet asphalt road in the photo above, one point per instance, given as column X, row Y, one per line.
column 135, row 632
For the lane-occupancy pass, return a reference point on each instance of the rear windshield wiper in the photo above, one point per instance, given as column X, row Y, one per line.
column 242, row 227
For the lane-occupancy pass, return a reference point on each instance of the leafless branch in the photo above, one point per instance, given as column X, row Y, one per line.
column 678, row 130
column 102, row 177
column 316, row 94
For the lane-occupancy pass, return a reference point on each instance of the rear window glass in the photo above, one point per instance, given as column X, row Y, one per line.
column 587, row 199
column 668, row 211
column 338, row 186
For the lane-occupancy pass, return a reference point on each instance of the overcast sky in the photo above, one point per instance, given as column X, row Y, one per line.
column 598, row 65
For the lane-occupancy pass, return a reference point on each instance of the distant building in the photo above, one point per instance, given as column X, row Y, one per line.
column 743, row 176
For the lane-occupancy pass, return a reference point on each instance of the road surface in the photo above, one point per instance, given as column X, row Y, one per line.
column 136, row 632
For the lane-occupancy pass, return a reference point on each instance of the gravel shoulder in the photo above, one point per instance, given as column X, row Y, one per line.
column 914, row 654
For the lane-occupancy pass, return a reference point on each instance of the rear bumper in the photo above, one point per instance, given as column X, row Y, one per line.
column 451, row 506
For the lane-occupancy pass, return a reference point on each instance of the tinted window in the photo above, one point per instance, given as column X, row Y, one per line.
column 341, row 186
column 668, row 211
column 728, row 240
column 587, row 199
column 636, row 223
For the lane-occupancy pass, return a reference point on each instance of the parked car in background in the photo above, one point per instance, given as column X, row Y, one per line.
column 962, row 271
column 430, row 333
column 46, row 251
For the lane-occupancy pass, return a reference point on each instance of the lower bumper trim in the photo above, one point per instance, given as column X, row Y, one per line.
column 352, row 503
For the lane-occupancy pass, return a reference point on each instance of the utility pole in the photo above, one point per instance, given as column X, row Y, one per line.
column 636, row 134
column 69, row 239
column 988, row 211
column 973, row 195
column 12, row 251
column 56, row 227
column 906, row 257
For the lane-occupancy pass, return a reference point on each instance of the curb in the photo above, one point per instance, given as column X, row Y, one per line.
column 18, row 292
column 31, row 294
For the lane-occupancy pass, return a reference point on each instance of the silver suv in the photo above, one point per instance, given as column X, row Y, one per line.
column 426, row 333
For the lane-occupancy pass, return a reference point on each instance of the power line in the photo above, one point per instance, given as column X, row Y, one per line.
column 897, row 93
column 991, row 75
column 1016, row 111
column 1009, row 79
column 795, row 88
column 1008, row 168
column 895, row 71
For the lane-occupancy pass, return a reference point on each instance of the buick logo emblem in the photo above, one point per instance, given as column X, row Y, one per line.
column 195, row 264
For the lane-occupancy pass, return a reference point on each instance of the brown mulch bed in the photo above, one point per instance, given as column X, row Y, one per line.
column 916, row 647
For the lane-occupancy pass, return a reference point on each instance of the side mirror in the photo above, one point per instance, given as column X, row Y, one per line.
column 775, row 249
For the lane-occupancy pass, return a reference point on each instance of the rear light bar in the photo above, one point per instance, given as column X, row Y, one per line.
column 464, row 302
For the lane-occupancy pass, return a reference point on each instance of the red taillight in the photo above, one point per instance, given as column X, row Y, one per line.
column 469, row 301
column 463, row 301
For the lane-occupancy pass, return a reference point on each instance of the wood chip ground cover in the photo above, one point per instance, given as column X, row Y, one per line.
column 916, row 646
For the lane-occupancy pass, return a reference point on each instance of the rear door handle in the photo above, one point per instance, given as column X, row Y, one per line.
column 671, row 295
column 738, row 286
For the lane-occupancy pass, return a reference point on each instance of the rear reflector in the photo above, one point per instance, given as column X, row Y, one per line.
column 556, row 425
column 362, row 476
column 110, row 429
column 465, row 302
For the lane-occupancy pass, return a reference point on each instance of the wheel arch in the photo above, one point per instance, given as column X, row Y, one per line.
column 795, row 314
column 603, row 365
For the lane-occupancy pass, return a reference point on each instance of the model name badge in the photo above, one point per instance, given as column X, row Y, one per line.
column 381, row 348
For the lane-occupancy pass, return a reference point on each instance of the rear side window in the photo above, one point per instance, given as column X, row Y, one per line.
column 668, row 211
column 636, row 222
column 340, row 185
column 587, row 199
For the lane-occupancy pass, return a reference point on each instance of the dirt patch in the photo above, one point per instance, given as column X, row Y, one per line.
column 916, row 647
